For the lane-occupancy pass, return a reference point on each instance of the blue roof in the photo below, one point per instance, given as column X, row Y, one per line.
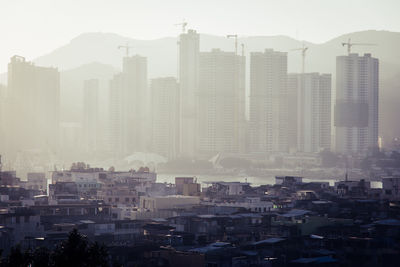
column 295, row 213
column 211, row 247
column 388, row 222
column 325, row 259
column 271, row 240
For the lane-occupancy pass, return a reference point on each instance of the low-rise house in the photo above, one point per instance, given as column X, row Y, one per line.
column 168, row 202
column 253, row 204
column 23, row 222
column 391, row 188
column 37, row 181
column 63, row 192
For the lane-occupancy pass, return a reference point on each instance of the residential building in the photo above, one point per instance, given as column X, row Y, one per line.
column 189, row 45
column 37, row 181
column 34, row 101
column 313, row 112
column 129, row 107
column 90, row 115
column 356, row 108
column 168, row 202
column 187, row 186
column 293, row 86
column 221, row 107
column 3, row 116
column 391, row 187
column 268, row 102
column 165, row 117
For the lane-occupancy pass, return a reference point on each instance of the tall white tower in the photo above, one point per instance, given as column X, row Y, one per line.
column 129, row 107
column 34, row 102
column 314, row 112
column 90, row 123
column 268, row 102
column 221, row 102
column 356, row 109
column 165, row 117
column 189, row 80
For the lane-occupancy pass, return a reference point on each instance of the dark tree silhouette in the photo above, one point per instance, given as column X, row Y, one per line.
column 76, row 251
column 71, row 252
column 97, row 255
column 17, row 258
column 41, row 257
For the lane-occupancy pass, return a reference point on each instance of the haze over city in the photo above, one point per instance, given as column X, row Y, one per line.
column 52, row 24
column 205, row 133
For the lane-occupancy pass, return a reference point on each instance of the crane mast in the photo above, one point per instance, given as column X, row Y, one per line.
column 303, row 55
column 235, row 36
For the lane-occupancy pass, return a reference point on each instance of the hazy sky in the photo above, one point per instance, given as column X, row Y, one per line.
column 35, row 27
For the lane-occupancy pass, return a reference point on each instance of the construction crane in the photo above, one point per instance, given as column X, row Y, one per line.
column 236, row 44
column 349, row 44
column 126, row 47
column 303, row 55
column 183, row 24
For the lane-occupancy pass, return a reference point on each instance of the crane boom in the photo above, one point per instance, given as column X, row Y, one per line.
column 183, row 24
column 126, row 47
column 349, row 44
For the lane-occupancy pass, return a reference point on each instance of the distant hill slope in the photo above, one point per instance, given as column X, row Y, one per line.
column 75, row 60
column 162, row 53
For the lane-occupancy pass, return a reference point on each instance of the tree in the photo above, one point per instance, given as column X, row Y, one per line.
column 97, row 255
column 77, row 251
column 41, row 257
column 17, row 258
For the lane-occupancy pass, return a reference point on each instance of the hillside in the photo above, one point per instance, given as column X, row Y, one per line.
column 75, row 61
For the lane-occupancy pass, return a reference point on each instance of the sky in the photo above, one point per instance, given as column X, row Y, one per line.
column 32, row 28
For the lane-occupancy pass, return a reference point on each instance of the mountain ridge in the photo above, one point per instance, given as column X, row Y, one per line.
column 161, row 53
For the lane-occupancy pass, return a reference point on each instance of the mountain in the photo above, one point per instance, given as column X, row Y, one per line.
column 103, row 48
column 162, row 53
column 75, row 61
